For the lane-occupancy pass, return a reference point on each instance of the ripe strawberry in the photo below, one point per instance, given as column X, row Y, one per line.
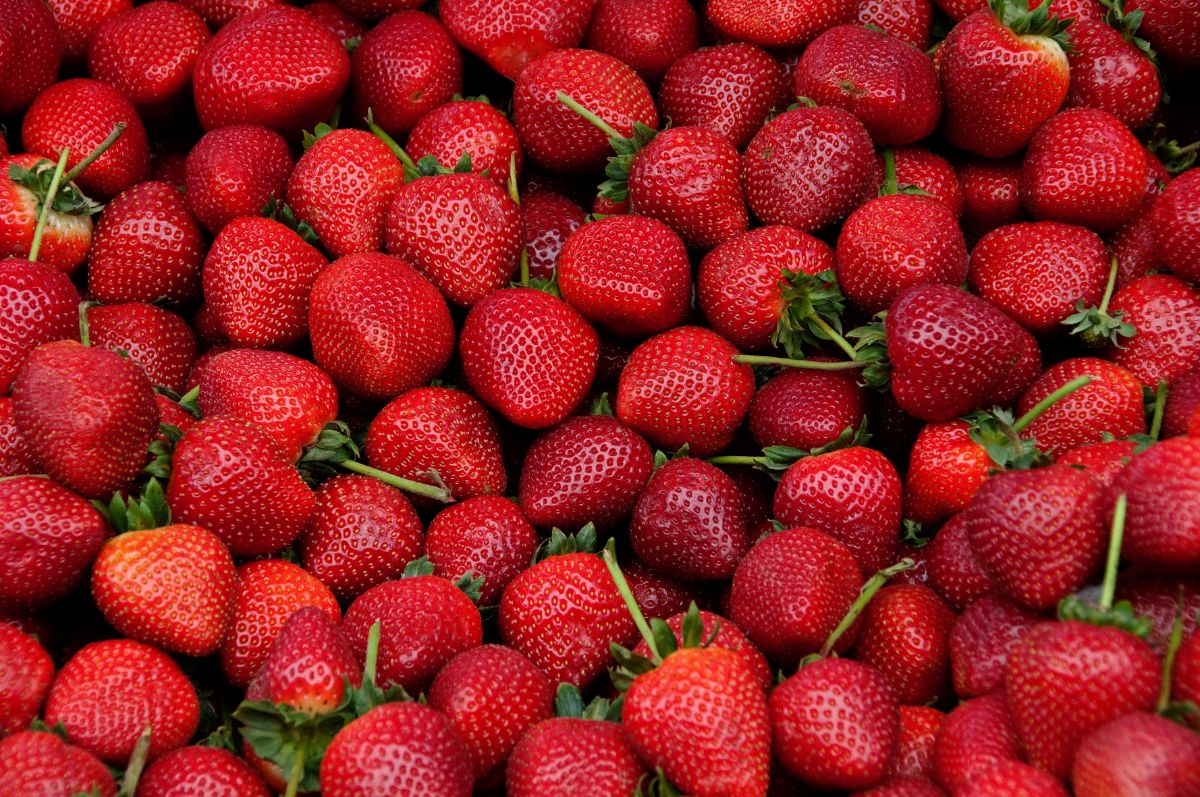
column 648, row 35
column 549, row 219
column 468, row 127
column 219, row 13
column 722, row 633
column 405, row 67
column 902, row 786
column 232, row 478
column 991, row 194
column 269, row 591
column 1004, row 72
column 31, row 54
column 42, row 306
column 48, row 539
column 275, row 66
column 808, row 167
column 257, row 278
column 377, row 326
column 309, row 664
column 1174, row 215
column 199, row 771
column 147, row 247
column 888, row 84
column 952, row 567
column 1139, row 753
column 439, row 430
column 919, row 168
column 1013, row 777
column 1163, row 310
column 1181, row 407
column 426, row 621
column 946, row 468
column 172, row 587
column 729, row 88
column 234, row 171
column 1111, row 404
column 1103, row 460
column 362, row 533
column 980, row 643
column 573, row 755
column 528, row 356
column 109, row 692
column 1064, row 679
column 1110, row 73
column 919, row 726
column 469, row 259
column 391, row 748
column 1173, row 29
column 159, row 342
column 765, row 598
column 1163, row 525
column 806, row 409
column 15, row 457
column 907, row 20
column 777, row 23
column 1159, row 598
column 67, row 234
column 78, row 21
column 492, row 695
column 373, row 9
column 78, row 115
column 148, row 54
column 835, row 724
column 905, row 634
column 40, row 762
column 484, row 537
column 339, row 19
column 557, row 138
column 977, row 735
column 27, row 671
column 1186, row 677
column 509, row 35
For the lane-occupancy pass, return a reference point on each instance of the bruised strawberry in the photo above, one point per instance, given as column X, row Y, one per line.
column 234, row 171
column 484, row 537
column 42, row 307
column 41, row 762
column 472, row 128
column 508, row 35
column 199, row 771
column 649, row 35
column 28, row 671
column 32, row 52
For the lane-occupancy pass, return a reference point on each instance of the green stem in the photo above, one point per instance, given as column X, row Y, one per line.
column 190, row 396
column 408, row 485
column 816, row 365
column 513, row 192
column 1168, row 671
column 396, row 149
column 890, row 185
column 117, row 130
column 44, row 216
column 1109, row 287
column 599, row 123
column 838, row 340
column 137, row 763
column 85, row 336
column 1109, row 587
column 735, row 459
column 1050, row 401
column 369, row 668
column 525, row 266
column 639, row 619
column 297, row 773
column 860, row 603
column 1160, row 404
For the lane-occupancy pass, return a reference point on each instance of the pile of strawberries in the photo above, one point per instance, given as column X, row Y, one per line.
column 357, row 440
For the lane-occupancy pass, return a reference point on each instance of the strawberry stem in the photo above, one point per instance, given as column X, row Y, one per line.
column 137, row 763
column 1109, row 286
column 525, row 266
column 513, row 192
column 610, row 561
column 408, row 485
column 372, row 660
column 890, row 185
column 405, row 159
column 735, row 459
column 1160, row 404
column 190, row 396
column 816, row 365
column 297, row 773
column 36, row 246
column 85, row 336
column 603, row 126
column 873, row 585
column 1109, row 587
column 117, row 130
column 1173, row 643
column 1050, row 401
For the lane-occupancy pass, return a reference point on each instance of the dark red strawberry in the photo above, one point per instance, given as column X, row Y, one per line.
column 1181, row 407
column 31, row 54
column 468, row 127
column 234, row 171
column 218, row 13
column 649, row 35
column 991, row 194
column 1109, row 72
column 905, row 634
column 1163, row 525
column 659, row 596
column 980, row 643
column 15, row 457
column 78, row 21
column 549, row 218
column 28, row 671
column 919, row 168
column 777, row 23
column 484, row 537
column 42, row 307
column 1103, row 460
column 902, row 786
column 339, row 19
column 159, row 342
column 508, row 35
column 907, row 20
column 1159, row 598
column 1185, row 682
column 40, row 762
column 1140, row 752
column 806, row 409
column 977, row 735
column 573, row 755
column 200, row 771
column 1111, row 404
column 945, row 469
column 1013, row 777
column 1174, row 220
column 953, row 569
column 1164, row 311
column 1173, row 29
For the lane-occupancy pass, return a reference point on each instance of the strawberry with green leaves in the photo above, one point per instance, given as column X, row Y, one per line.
column 472, row 127
column 1163, row 526
column 1110, row 404
column 484, row 537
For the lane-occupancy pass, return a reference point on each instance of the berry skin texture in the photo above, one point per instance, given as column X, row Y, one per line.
column 509, row 35
column 32, row 65
column 980, row 643
column 486, row 536
column 977, row 735
column 25, row 674
column 1013, row 777
column 1111, row 74
column 776, row 23
column 945, row 470
column 1164, row 311
column 200, row 772
column 905, row 634
column 41, row 306
column 1110, row 404
column 648, row 35
column 40, row 762
column 474, row 128
column 806, row 409
column 1175, row 218
column 234, row 171
column 1139, row 753
column 1162, row 485
column 156, row 340
column 571, row 755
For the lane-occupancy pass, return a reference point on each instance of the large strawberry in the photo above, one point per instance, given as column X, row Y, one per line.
column 1111, row 404
column 199, row 771
column 31, row 53
column 1110, row 72
column 41, row 762
column 508, row 35
column 42, row 307
column 573, row 755
column 28, row 671
column 905, row 634
column 1163, row 310
column 1163, row 526
column 468, row 127
column 484, row 537
column 234, row 171
column 1137, row 752
column 777, row 23
column 649, row 35
column 156, row 340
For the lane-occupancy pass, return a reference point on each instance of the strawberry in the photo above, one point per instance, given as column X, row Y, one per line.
column 48, row 539
column 172, row 587
column 159, row 342
column 1174, row 215
column 391, row 748
column 1110, row 404
column 405, row 66
column 1004, row 72
column 717, row 631
column 991, row 194
column 549, row 218
column 907, row 20
column 764, row 600
column 902, row 786
column 977, row 735
column 484, row 537
column 889, row 85
column 1013, row 777
column 219, row 13
column 337, row 17
column 42, row 307
column 737, row 104
column 919, row 168
column 980, row 643
column 439, row 433
column 372, row 9
column 362, row 533
column 1163, row 525
column 946, row 468
column 32, row 52
column 682, row 387
column 1181, row 407
column 40, row 762
column 1185, row 683
column 573, row 755
column 257, row 278
column 1138, row 753
column 269, row 591
column 147, row 247
column 470, row 259
column 78, row 21
column 1159, row 598
column 648, row 35
column 377, row 326
column 806, row 409
column 1173, row 29
column 777, row 23
column 27, row 671
column 232, row 478
column 234, row 171
column 15, row 457
column 468, row 127
column 148, row 54
column 1111, row 73
column 1103, row 460
column 67, row 234
column 199, row 771
column 1064, row 679
column 310, row 665
column 528, row 356
column 952, row 567
column 557, row 138
column 1163, row 310
column 426, row 621
column 492, row 695
column 109, row 692
column 905, row 634
column 509, row 35
column 919, row 726
column 77, row 115
column 341, row 187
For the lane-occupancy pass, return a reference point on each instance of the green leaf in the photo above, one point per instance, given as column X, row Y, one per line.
column 568, row 702
column 601, row 406
column 1120, row 616
column 418, row 567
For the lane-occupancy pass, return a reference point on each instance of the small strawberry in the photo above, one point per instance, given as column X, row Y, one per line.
column 1139, row 753
column 952, row 567
column 157, row 341
column 309, row 665
column 550, row 219
column 508, row 35
column 199, row 771
column 917, row 167
column 648, row 35
column 946, row 467
column 919, row 726
column 42, row 306
column 234, row 171
column 717, row 631
column 31, row 54
column 777, row 23
column 1111, row 73
column 977, row 735
column 905, row 634
column 1174, row 215
column 980, row 643
column 484, row 537
column 806, row 409
column 27, row 672
column 472, row 128
column 40, row 762
column 907, row 20
column 1111, row 404
column 1161, row 484
column 1163, row 310
column 573, row 755
column 991, row 194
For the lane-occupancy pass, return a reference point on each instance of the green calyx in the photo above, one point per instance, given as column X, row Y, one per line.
column 144, row 510
column 1024, row 21
column 601, row 406
column 469, row 585
column 1000, row 434
column 1127, row 24
column 812, row 313
column 283, row 213
column 336, row 448
column 777, row 459
column 870, row 347
column 656, row 785
column 662, row 457
column 626, row 148
column 1175, row 158
column 559, row 543
column 568, row 702
column 319, row 132
column 1095, row 326
column 54, row 187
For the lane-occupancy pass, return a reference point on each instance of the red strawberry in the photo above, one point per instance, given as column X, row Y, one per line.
column 902, row 786
column 1110, row 73
column 484, row 537
column 572, row 755
column 391, row 748
column 777, row 23
column 373, row 9
column 79, row 20
column 806, row 409
column 42, row 306
column 1163, row 525
column 426, row 621
column 1013, row 777
column 337, row 17
column 1185, row 683
column 919, row 726
column 234, row 171
column 40, row 762
column 32, row 52
column 27, row 671
column 406, row 66
column 528, row 356
column 946, row 468
column 67, row 234
column 468, row 127
column 1138, row 753
column 492, row 695
column 808, row 167
column 276, row 67
column 1182, row 403
column 257, row 278
column 232, row 478
column 15, row 457
column 888, row 84
column 269, row 591
column 200, row 772
column 1174, row 220
column 442, row 430
column 980, row 643
column 907, row 20
column 919, row 168
column 1111, row 404
column 557, row 138
column 1172, row 28
column 147, row 247
column 159, row 342
column 78, row 115
column 377, row 326
column 991, row 194
column 1159, row 598
column 905, row 634
column 627, row 274
column 977, row 735
column 952, row 567
column 218, row 13
column 549, row 218
column 1004, row 72
column 1065, row 679
column 1164, row 311
column 172, row 587
column 509, row 35
column 469, row 259
column 648, row 35
column 362, row 533
column 109, row 692
column 148, row 54
column 723, row 634
column 1103, row 460
column 309, row 664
